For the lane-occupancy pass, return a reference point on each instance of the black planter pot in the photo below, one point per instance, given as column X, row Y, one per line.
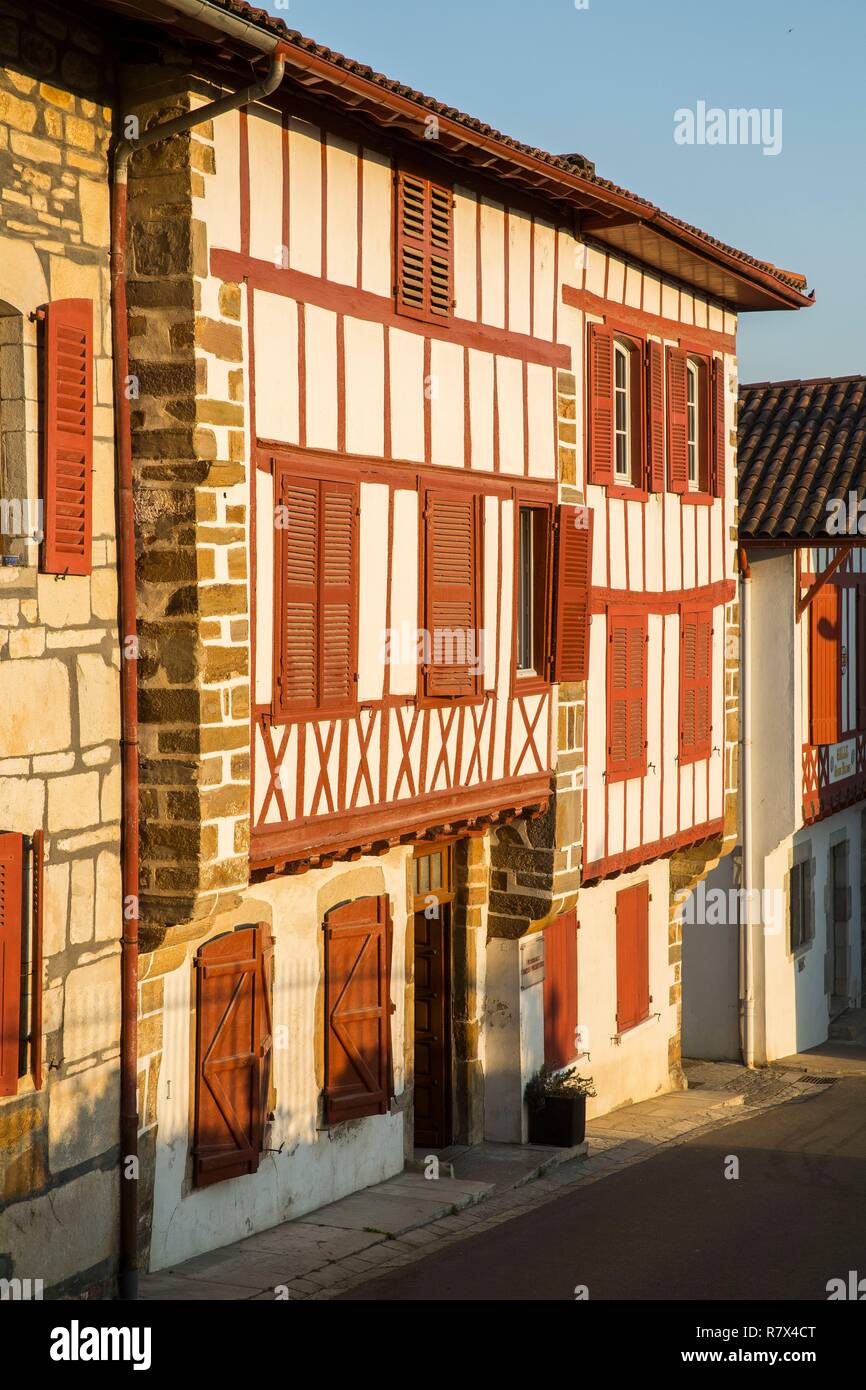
column 561, row 1122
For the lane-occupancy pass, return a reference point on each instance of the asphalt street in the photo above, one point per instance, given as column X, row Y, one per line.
column 675, row 1227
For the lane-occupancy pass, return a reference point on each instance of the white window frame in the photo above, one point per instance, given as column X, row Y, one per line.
column 622, row 476
column 525, row 590
column 693, row 397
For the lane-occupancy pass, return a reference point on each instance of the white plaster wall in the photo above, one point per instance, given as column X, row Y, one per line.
column 315, row 1167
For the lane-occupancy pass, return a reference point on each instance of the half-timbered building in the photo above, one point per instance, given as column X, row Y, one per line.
column 778, row 955
column 431, row 436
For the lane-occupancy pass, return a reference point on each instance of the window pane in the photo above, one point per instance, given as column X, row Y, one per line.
column 436, row 870
column 525, row 592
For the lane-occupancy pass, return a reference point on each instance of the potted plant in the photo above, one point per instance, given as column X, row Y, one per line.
column 557, row 1107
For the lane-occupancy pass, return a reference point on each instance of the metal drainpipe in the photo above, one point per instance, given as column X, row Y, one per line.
column 266, row 43
column 747, row 990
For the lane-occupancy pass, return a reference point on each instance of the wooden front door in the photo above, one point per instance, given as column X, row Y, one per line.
column 433, row 906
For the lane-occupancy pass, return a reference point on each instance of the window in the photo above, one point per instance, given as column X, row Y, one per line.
column 316, row 638
column 234, row 1035
column 824, row 661
column 633, row 998
column 453, row 658
column 357, row 1010
column 533, row 529
column 424, row 213
column 573, row 588
column 622, row 414
column 696, row 684
column 616, row 424
column 626, row 696
column 560, row 991
column 693, row 433
column 801, row 916
column 21, row 860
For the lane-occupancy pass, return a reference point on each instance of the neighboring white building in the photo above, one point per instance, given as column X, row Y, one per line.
column 795, row 943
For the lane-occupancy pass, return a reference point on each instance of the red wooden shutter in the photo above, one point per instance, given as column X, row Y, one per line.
column 11, row 927
column 656, row 416
column 357, row 1010
column 678, row 420
column 68, row 468
column 627, row 695
column 824, row 644
column 696, row 684
column 600, row 404
column 424, row 248
column 861, row 658
column 233, row 1054
column 298, row 607
column 718, row 454
column 560, row 991
column 452, row 571
column 316, row 637
column 337, row 654
column 632, row 956
column 573, row 584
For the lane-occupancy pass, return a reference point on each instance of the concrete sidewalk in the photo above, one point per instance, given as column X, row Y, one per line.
column 383, row 1227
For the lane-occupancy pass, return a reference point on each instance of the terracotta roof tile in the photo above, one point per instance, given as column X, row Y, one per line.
column 802, row 444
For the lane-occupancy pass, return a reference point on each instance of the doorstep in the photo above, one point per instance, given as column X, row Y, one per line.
column 314, row 1249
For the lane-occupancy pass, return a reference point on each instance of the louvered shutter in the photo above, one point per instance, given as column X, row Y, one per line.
column 824, row 665
column 357, row 1010
column 233, row 1054
column 678, row 420
column 560, row 991
column 298, row 616
column 451, row 562
column 627, row 695
column 718, row 455
column 601, row 404
column 655, row 369
column 632, row 956
column 11, row 928
column 424, row 248
column 573, row 583
column 338, row 595
column 861, row 658
column 68, row 436
column 696, row 660
column 316, row 656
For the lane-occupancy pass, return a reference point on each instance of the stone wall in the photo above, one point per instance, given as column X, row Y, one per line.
column 190, row 445
column 59, row 661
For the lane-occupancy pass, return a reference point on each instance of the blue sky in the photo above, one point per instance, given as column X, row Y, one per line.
column 607, row 80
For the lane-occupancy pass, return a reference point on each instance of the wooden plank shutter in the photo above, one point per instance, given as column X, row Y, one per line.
column 678, row 420
column 696, row 684
column 424, row 248
column 718, row 436
column 655, row 369
column 452, row 579
column 601, row 404
column 573, row 585
column 632, row 956
column 233, row 1053
column 824, row 628
column 357, row 1010
column 11, row 928
column 861, row 657
column 560, row 991
column 68, row 438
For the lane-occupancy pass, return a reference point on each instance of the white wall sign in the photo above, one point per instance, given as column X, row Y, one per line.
column 532, row 960
column 843, row 760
